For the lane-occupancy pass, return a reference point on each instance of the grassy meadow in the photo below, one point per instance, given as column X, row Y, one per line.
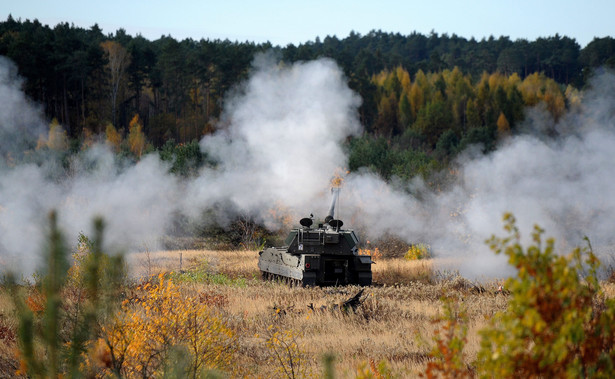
column 393, row 323
column 282, row 331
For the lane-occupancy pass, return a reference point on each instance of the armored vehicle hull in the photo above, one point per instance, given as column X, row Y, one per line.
column 315, row 269
column 322, row 256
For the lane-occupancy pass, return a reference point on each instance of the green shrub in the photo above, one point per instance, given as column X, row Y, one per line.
column 418, row 251
column 59, row 318
column 203, row 273
column 186, row 158
column 557, row 323
column 450, row 340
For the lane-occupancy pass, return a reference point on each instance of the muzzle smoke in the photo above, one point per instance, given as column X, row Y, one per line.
column 280, row 144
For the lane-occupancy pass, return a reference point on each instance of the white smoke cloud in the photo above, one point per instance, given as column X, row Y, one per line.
column 281, row 147
column 284, row 138
column 281, row 143
column 20, row 119
column 564, row 184
column 136, row 201
column 137, row 204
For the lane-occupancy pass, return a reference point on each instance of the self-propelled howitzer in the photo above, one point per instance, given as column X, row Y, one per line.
column 322, row 255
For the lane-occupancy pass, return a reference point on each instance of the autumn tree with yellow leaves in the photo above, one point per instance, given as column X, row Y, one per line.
column 557, row 323
column 72, row 326
column 113, row 138
column 141, row 336
column 466, row 103
column 503, row 125
column 136, row 137
column 57, row 138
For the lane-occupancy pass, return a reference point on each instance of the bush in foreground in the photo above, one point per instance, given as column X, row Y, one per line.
column 557, row 323
column 141, row 337
column 58, row 317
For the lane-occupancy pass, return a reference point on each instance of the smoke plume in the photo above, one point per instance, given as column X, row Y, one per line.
column 20, row 120
column 284, row 138
column 563, row 184
column 280, row 142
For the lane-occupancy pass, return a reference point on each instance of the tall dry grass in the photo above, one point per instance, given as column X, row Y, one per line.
column 8, row 335
column 234, row 263
column 392, row 324
column 400, row 271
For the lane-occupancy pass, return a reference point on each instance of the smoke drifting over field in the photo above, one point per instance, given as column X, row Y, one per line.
column 19, row 119
column 280, row 142
column 279, row 148
column 283, row 142
column 564, row 184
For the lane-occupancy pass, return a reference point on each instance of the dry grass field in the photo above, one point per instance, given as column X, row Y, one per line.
column 394, row 323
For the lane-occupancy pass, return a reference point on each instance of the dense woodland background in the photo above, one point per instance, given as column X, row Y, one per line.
column 425, row 97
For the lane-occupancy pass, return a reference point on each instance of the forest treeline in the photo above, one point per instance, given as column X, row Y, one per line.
column 425, row 97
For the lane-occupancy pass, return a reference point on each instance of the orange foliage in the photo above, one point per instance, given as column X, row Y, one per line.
column 281, row 215
column 36, row 302
column 136, row 137
column 503, row 125
column 374, row 253
column 450, row 341
column 113, row 137
column 143, row 332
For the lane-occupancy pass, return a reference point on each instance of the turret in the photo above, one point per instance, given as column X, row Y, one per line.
column 324, row 255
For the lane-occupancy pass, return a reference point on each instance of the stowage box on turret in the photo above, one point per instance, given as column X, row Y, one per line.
column 323, row 255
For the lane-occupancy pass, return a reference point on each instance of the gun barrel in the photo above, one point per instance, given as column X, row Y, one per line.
column 336, row 193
